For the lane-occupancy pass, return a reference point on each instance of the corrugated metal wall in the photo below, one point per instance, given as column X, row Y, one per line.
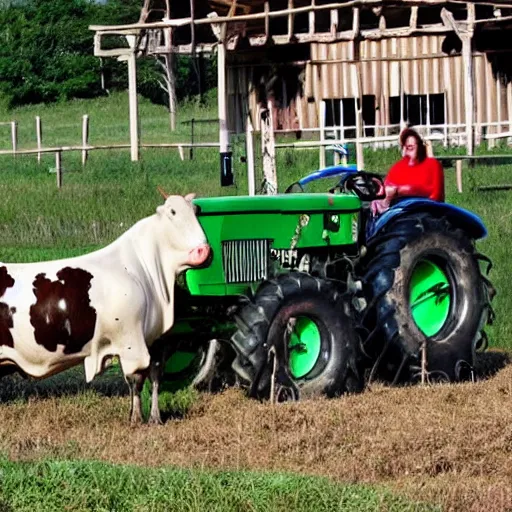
column 417, row 65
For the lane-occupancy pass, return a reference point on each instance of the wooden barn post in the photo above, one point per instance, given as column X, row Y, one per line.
column 268, row 149
column 222, row 103
column 132, row 97
column 321, row 122
column 464, row 31
column 249, row 144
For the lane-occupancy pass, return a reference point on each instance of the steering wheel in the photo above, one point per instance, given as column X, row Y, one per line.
column 367, row 186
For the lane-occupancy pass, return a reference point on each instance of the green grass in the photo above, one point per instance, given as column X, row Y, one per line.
column 108, row 122
column 73, row 486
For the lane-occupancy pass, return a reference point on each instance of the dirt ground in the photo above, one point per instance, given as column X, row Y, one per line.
column 445, row 444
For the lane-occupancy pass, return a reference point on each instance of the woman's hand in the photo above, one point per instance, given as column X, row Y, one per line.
column 381, row 205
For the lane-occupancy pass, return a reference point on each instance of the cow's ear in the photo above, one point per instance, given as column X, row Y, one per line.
column 163, row 193
column 190, row 196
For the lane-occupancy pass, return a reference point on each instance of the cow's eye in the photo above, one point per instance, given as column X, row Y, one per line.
column 173, row 212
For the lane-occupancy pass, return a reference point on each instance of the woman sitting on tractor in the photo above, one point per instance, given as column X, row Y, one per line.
column 416, row 174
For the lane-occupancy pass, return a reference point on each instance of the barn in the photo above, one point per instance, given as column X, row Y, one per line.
column 357, row 69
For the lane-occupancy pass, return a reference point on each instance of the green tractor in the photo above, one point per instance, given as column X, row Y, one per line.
column 307, row 293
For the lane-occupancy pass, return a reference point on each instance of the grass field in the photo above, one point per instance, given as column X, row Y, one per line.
column 445, row 445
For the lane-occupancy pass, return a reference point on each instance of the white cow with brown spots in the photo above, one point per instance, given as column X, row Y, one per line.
column 112, row 302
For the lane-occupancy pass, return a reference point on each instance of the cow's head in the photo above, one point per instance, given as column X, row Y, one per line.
column 184, row 231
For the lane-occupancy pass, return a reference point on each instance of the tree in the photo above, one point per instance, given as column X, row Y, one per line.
column 46, row 54
column 46, row 51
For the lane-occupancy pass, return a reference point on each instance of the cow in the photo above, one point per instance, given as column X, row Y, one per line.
column 115, row 301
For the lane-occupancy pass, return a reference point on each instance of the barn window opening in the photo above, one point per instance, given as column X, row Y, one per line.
column 419, row 109
column 340, row 117
column 429, row 15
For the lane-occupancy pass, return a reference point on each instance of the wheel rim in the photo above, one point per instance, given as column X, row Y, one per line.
column 304, row 347
column 430, row 297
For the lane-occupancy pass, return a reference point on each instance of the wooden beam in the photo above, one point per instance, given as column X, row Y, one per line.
column 285, row 12
column 413, row 20
column 355, row 22
column 267, row 21
column 334, row 21
column 290, row 20
column 311, row 19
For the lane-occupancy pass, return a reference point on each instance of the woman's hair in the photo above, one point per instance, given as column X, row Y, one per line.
column 422, row 148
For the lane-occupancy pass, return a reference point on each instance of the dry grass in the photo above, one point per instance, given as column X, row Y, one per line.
column 444, row 444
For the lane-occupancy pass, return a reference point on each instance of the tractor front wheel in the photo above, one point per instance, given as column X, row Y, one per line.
column 308, row 324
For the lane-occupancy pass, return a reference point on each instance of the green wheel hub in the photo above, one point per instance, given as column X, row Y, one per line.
column 304, row 347
column 179, row 361
column 430, row 297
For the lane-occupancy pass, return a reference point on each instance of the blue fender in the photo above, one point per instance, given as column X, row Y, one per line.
column 460, row 217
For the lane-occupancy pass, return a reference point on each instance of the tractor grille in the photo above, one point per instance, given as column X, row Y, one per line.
column 245, row 260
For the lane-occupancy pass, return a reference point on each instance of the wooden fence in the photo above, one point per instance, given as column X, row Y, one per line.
column 85, row 147
column 446, row 134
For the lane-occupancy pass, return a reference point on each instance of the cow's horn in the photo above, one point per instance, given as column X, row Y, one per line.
column 162, row 192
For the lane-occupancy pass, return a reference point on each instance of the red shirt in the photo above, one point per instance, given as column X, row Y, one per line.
column 425, row 179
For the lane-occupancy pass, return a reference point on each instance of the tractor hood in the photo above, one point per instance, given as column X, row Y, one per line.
column 280, row 203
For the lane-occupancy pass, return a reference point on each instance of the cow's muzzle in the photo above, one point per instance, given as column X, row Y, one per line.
column 199, row 255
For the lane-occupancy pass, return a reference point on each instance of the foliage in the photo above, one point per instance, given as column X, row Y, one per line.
column 46, row 51
column 46, row 54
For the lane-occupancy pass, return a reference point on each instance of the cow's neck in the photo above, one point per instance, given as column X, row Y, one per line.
column 159, row 261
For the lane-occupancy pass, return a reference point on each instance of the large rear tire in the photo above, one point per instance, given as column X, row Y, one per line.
column 309, row 322
column 423, row 283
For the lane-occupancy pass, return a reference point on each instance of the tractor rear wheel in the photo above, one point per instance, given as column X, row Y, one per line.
column 423, row 284
column 307, row 321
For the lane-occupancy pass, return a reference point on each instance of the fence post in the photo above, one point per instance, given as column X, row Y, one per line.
column 458, row 174
column 85, row 137
column 58, row 168
column 14, row 136
column 191, row 153
column 39, row 138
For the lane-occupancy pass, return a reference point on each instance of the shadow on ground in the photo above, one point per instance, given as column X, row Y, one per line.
column 70, row 382
column 111, row 383
column 491, row 362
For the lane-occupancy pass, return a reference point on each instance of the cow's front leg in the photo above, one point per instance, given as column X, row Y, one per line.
column 136, row 383
column 160, row 352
